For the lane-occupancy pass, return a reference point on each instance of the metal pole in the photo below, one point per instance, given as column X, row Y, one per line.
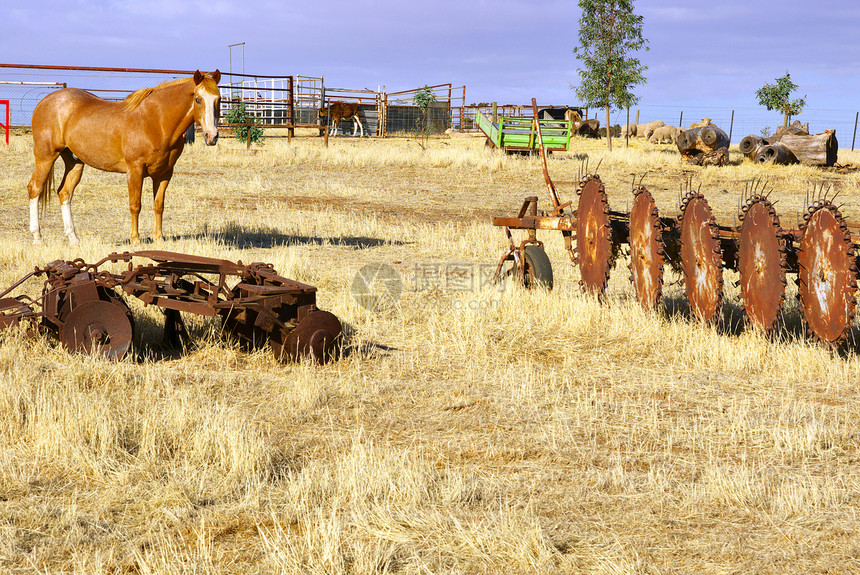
column 731, row 125
column 463, row 111
column 450, row 119
column 232, row 80
column 292, row 113
column 627, row 129
column 681, row 120
column 855, row 131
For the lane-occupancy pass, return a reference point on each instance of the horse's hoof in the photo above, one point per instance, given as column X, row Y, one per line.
column 38, row 243
column 73, row 240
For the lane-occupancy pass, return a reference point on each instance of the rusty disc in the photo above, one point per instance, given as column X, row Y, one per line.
column 98, row 327
column 317, row 335
column 593, row 236
column 701, row 258
column 646, row 250
column 827, row 274
column 761, row 263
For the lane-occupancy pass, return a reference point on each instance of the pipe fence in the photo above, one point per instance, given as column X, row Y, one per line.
column 294, row 101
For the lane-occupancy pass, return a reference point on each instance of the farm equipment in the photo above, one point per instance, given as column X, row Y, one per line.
column 83, row 304
column 822, row 252
column 519, row 134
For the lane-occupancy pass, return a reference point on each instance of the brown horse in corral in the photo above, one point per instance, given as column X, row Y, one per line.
column 142, row 136
column 342, row 111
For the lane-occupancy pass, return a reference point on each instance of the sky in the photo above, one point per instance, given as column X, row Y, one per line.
column 701, row 54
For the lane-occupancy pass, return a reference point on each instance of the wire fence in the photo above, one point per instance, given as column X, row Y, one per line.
column 276, row 101
column 741, row 122
column 24, row 86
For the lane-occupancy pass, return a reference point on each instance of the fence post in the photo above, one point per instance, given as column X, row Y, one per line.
column 731, row 126
column 627, row 129
column 637, row 117
column 681, row 120
column 7, row 126
column 855, row 131
column 291, row 102
column 327, row 126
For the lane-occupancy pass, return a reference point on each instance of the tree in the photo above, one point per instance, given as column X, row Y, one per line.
column 246, row 128
column 424, row 98
column 777, row 97
column 609, row 32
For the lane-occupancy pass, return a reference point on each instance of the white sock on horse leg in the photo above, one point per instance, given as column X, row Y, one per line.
column 34, row 221
column 68, row 223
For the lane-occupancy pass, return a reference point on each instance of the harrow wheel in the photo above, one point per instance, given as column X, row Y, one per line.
column 761, row 263
column 538, row 269
column 317, row 335
column 98, row 327
column 826, row 280
column 593, row 236
column 646, row 250
column 701, row 258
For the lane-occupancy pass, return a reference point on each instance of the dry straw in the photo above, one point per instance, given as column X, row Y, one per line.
column 468, row 429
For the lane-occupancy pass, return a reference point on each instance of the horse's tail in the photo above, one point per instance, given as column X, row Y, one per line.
column 46, row 191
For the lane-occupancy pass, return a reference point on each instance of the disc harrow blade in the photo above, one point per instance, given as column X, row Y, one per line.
column 317, row 335
column 593, row 236
column 98, row 327
column 761, row 263
column 646, row 250
column 701, row 258
column 827, row 274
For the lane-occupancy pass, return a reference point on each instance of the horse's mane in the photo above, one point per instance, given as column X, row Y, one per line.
column 133, row 100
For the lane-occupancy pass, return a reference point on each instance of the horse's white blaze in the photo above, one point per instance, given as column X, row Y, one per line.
column 210, row 122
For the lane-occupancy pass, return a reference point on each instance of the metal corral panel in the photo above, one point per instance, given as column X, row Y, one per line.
column 306, row 116
column 406, row 118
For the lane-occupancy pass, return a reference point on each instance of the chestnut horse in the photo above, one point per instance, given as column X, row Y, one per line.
column 142, row 136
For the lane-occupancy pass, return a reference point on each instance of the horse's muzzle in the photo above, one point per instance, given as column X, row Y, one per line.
column 211, row 140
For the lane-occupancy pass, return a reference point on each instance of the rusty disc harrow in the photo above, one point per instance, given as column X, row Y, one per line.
column 701, row 258
column 826, row 275
column 593, row 236
column 761, row 263
column 646, row 250
column 98, row 327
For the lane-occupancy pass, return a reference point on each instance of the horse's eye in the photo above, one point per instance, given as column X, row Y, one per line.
column 198, row 100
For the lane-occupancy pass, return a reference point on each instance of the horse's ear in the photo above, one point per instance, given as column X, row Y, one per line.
column 216, row 75
column 198, row 77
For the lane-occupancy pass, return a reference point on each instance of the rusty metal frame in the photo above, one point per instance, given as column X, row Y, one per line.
column 255, row 302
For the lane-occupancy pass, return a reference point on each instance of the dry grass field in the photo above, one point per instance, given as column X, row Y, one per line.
column 469, row 428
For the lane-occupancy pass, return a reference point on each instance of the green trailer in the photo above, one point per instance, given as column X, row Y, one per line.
column 518, row 134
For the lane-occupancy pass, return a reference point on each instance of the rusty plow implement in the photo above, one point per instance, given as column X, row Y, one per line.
column 84, row 305
column 822, row 253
